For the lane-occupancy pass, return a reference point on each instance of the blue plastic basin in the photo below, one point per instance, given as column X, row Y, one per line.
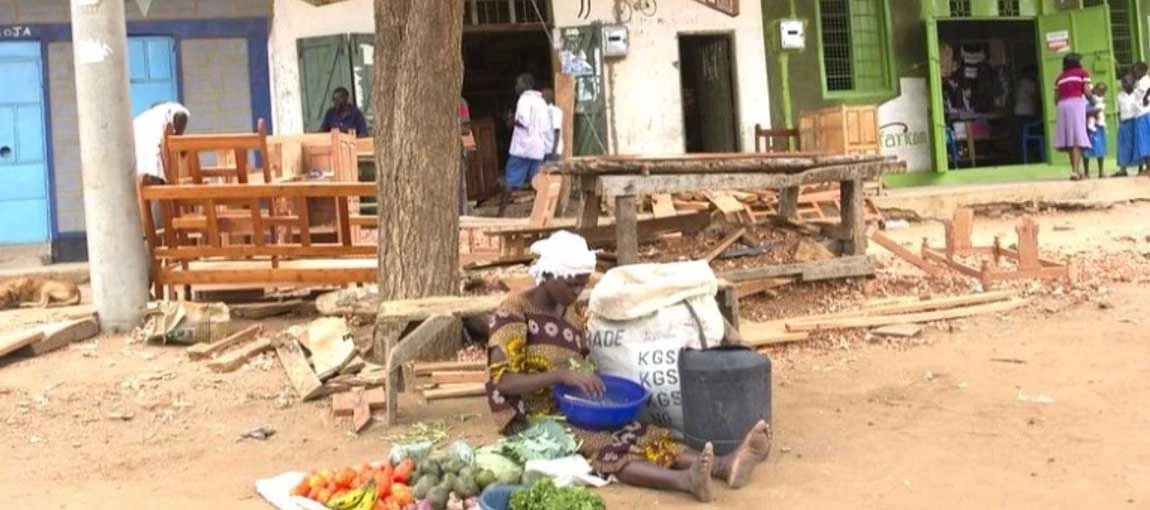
column 618, row 406
column 497, row 497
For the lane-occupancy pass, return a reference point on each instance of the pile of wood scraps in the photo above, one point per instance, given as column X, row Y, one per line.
column 898, row 314
column 989, row 264
column 817, row 203
column 447, row 380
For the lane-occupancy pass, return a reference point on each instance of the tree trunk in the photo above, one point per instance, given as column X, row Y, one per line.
column 418, row 78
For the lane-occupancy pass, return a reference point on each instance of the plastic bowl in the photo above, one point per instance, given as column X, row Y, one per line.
column 618, row 406
column 498, row 497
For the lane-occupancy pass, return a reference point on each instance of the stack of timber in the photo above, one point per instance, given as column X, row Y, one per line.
column 902, row 311
column 448, row 380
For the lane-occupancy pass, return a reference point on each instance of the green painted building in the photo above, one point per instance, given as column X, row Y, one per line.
column 964, row 87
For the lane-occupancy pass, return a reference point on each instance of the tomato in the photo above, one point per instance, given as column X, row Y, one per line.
column 324, row 496
column 346, row 476
column 403, row 471
column 383, row 482
column 313, row 493
column 301, row 489
column 326, row 474
column 314, row 480
column 401, row 494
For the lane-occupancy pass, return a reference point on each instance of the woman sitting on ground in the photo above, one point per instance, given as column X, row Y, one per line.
column 534, row 336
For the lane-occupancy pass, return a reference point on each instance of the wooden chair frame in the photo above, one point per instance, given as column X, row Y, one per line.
column 765, row 139
column 181, row 153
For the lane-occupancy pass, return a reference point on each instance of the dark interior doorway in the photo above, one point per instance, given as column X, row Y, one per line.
column 707, row 77
column 992, row 93
column 491, row 61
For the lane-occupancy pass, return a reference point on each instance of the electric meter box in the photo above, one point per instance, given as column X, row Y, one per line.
column 615, row 41
column 792, row 34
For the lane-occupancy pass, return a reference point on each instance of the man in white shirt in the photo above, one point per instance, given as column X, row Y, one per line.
column 531, row 125
column 555, row 141
column 149, row 129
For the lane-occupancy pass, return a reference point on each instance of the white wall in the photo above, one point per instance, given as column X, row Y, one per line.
column 293, row 20
column 644, row 89
column 644, row 93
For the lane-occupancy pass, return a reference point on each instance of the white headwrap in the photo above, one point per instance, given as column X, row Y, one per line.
column 563, row 255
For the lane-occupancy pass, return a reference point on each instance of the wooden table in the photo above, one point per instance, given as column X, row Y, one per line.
column 628, row 178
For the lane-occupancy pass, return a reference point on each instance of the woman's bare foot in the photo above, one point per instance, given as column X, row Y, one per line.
column 755, row 448
column 698, row 476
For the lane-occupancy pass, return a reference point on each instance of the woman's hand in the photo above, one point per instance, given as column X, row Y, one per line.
column 588, row 383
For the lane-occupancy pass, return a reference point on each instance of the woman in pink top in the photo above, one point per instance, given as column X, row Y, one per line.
column 1070, row 133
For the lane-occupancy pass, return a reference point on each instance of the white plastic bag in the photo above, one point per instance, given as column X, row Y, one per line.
column 640, row 320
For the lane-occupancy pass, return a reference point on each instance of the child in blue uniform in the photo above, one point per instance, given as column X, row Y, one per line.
column 1096, row 126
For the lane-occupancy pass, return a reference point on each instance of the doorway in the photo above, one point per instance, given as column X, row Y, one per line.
column 152, row 72
column 707, row 80
column 992, row 93
column 23, row 162
column 491, row 61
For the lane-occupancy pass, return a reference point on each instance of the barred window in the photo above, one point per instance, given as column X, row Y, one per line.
column 1122, row 20
column 498, row 12
column 960, row 8
column 855, row 45
column 1009, row 8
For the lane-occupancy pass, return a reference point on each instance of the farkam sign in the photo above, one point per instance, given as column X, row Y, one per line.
column 904, row 125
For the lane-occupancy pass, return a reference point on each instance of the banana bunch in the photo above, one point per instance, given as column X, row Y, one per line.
column 362, row 498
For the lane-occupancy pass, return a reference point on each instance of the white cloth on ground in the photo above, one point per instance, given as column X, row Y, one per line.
column 562, row 255
column 148, row 129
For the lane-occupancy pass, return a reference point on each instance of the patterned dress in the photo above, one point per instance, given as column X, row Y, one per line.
column 534, row 341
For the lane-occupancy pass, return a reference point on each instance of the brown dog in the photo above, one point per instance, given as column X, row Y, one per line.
column 37, row 292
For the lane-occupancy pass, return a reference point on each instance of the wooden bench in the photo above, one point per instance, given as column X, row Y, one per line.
column 267, row 243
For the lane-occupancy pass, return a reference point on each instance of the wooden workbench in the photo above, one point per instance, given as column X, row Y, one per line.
column 628, row 178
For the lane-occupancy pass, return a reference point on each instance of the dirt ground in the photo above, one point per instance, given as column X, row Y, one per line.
column 1042, row 408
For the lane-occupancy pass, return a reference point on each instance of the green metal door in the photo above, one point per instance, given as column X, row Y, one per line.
column 324, row 65
column 582, row 57
column 363, row 68
column 937, row 117
column 1087, row 32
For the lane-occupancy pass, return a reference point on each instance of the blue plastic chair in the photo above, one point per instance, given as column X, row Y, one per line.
column 951, row 148
column 1032, row 132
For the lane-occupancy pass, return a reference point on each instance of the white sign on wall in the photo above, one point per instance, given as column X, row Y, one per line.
column 904, row 125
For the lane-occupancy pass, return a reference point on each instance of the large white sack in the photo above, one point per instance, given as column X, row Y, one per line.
column 640, row 321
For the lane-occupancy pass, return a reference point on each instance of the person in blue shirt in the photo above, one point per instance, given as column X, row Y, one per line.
column 344, row 116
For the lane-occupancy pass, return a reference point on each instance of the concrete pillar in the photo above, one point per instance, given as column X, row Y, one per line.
column 115, row 243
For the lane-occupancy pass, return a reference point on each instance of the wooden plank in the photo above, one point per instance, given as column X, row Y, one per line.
column 407, row 350
column 455, row 391
column 899, row 330
column 299, row 372
column 759, row 334
column 422, row 309
column 887, row 320
column 548, row 188
column 626, row 230
column 343, row 219
column 724, row 244
column 206, row 350
column 62, row 334
column 662, row 205
column 706, row 163
column 923, row 305
column 327, row 340
column 13, row 341
column 235, row 359
column 905, row 254
column 428, row 368
column 724, row 202
column 842, row 267
column 358, row 403
column 614, row 185
column 264, row 310
column 283, row 276
column 457, row 377
column 250, row 191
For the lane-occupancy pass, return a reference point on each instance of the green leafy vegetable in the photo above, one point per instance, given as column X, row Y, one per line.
column 544, row 495
column 502, row 469
column 543, row 439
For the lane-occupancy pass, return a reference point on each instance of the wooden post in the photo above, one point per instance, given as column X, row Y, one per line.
column 589, row 215
column 626, row 230
column 789, row 202
column 853, row 219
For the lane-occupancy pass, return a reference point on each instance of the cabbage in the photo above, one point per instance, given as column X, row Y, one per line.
column 506, row 470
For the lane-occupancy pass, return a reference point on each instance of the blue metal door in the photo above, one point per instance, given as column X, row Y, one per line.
column 152, row 71
column 23, row 163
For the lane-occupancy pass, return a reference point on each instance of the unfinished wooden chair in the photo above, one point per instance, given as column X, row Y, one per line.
column 776, row 140
column 233, row 152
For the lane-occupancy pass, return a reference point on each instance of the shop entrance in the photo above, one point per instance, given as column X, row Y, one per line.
column 707, row 76
column 992, row 93
column 491, row 61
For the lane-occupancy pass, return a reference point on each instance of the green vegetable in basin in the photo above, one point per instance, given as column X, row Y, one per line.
column 544, row 495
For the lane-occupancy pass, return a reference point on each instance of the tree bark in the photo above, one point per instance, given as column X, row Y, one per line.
column 418, row 78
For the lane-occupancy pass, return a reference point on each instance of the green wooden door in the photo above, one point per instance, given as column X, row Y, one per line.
column 937, row 115
column 1088, row 33
column 324, row 65
column 582, row 57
